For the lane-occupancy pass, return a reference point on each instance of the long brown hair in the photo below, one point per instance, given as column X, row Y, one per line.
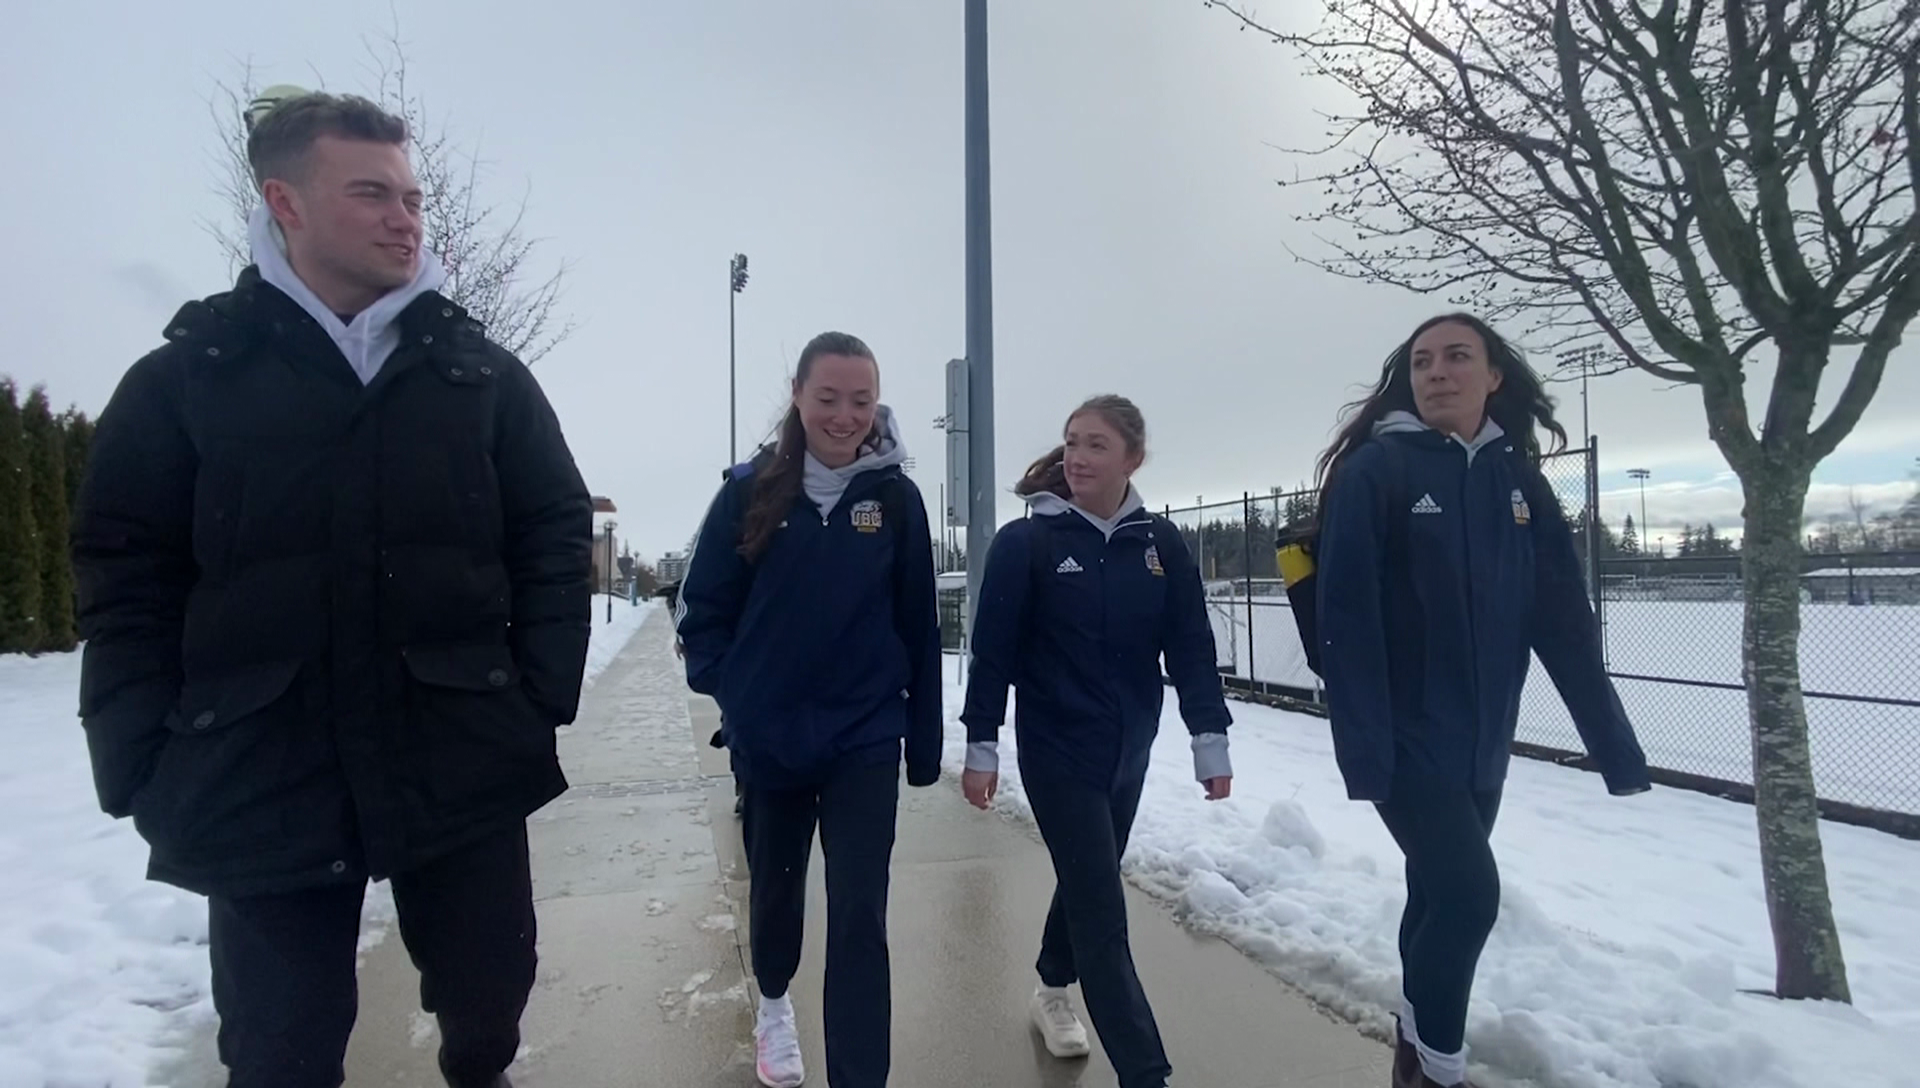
column 779, row 468
column 1049, row 472
column 1517, row 406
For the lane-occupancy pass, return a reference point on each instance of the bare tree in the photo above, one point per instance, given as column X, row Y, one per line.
column 1698, row 185
column 486, row 251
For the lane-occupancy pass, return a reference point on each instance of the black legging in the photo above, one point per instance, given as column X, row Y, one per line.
column 1086, row 828
column 1453, row 897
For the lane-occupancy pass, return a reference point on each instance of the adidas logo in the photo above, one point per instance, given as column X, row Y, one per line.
column 1426, row 505
column 1068, row 566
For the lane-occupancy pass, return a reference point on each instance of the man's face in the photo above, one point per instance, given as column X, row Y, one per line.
column 353, row 221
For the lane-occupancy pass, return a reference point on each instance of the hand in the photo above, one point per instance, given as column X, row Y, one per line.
column 980, row 786
column 1219, row 789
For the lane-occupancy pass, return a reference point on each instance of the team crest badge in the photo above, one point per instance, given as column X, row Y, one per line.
column 1153, row 560
column 867, row 517
column 1521, row 514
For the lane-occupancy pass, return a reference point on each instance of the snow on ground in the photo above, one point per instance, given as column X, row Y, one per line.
column 1864, row 753
column 100, row 967
column 1628, row 930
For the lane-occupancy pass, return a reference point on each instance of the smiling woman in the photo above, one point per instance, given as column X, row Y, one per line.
column 808, row 613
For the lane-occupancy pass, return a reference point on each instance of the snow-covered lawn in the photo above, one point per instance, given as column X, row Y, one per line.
column 99, row 969
column 1864, row 753
column 1629, row 927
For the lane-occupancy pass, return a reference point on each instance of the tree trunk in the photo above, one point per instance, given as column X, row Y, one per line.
column 1807, row 956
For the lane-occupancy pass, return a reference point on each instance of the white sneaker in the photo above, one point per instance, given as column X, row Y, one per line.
column 777, row 1045
column 1059, row 1026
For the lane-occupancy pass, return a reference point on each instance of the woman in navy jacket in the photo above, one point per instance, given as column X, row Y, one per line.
column 808, row 613
column 1445, row 563
column 1078, row 605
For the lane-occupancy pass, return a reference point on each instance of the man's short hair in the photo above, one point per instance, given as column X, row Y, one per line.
column 277, row 146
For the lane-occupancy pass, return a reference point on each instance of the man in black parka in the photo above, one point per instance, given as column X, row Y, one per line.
column 334, row 576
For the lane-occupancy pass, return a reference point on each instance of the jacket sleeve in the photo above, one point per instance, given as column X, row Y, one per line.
column 549, row 546
column 1186, row 641
column 1351, row 572
column 132, row 541
column 917, row 618
column 714, row 591
column 1566, row 638
column 998, row 623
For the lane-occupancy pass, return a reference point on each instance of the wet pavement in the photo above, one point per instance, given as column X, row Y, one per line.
column 644, row 971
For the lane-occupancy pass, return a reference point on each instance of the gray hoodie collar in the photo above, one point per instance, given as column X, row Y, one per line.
column 375, row 331
column 826, row 486
column 1046, row 503
column 1408, row 423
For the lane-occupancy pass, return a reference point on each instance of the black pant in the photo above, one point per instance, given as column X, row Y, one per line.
column 284, row 968
column 1086, row 831
column 855, row 809
column 1453, row 898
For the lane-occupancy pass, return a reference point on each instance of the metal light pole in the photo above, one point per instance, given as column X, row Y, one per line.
column 736, row 283
column 1641, row 475
column 610, row 526
column 981, row 515
column 1585, row 360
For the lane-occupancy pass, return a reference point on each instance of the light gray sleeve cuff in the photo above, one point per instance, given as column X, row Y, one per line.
column 1210, row 759
column 983, row 755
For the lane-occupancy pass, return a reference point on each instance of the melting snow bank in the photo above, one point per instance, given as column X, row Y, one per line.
column 101, row 972
column 1631, row 929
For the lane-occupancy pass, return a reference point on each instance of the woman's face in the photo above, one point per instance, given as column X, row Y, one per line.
column 1098, row 463
column 837, row 403
column 1452, row 379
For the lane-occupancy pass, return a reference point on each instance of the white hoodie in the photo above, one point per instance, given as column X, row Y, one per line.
column 374, row 333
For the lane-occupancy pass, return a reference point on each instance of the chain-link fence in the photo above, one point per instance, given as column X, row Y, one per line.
column 1672, row 634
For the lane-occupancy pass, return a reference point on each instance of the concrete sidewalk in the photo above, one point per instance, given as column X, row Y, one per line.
column 644, row 971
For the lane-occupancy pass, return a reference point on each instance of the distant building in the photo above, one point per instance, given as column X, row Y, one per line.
column 673, row 567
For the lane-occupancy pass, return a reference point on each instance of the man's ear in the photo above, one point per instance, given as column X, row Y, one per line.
column 283, row 201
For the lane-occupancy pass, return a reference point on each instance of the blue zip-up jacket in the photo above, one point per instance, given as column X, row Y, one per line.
column 1079, row 628
column 1426, row 639
column 827, row 648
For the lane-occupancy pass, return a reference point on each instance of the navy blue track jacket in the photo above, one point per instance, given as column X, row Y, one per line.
column 1427, row 615
column 827, row 648
column 1078, row 623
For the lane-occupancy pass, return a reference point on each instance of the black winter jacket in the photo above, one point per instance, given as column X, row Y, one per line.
column 330, row 628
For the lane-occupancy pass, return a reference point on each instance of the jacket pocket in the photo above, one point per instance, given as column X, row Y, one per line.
column 475, row 730
column 216, row 783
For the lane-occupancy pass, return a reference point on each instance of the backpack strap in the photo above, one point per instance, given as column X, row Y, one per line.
column 893, row 511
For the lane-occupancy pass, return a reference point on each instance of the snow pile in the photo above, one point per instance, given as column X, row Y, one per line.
column 103, row 972
column 1629, row 933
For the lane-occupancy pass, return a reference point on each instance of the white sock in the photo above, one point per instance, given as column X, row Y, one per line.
column 1052, row 991
column 776, row 1006
column 1447, row 1069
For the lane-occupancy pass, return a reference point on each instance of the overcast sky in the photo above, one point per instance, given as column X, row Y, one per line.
column 1139, row 242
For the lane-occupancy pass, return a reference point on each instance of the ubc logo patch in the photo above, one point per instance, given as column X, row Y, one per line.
column 1521, row 513
column 1153, row 560
column 866, row 516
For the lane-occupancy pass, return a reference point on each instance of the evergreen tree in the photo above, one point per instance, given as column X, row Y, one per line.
column 20, row 628
column 47, row 478
column 77, row 432
column 1629, row 539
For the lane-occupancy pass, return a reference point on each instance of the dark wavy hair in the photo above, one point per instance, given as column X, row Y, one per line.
column 779, row 468
column 1518, row 406
column 1049, row 472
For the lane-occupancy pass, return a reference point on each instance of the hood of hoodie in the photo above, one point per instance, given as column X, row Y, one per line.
column 825, row 486
column 375, row 332
column 1046, row 503
column 1408, row 423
